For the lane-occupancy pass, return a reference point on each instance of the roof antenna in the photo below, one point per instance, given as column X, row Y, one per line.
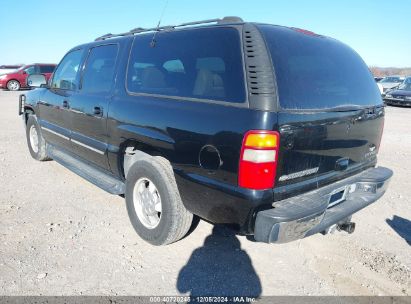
column 153, row 41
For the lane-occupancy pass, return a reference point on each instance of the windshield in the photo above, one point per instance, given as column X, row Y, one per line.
column 391, row 79
column 21, row 68
column 315, row 72
column 405, row 87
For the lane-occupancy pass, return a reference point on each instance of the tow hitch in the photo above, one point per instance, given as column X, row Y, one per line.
column 348, row 227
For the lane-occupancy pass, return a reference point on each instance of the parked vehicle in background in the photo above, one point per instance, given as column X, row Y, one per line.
column 271, row 129
column 17, row 79
column 7, row 68
column 407, row 79
column 400, row 96
column 391, row 82
column 381, row 88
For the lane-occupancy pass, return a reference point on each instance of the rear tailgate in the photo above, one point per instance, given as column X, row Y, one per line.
column 317, row 149
column 330, row 115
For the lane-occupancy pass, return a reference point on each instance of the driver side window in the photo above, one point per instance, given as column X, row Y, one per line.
column 30, row 70
column 65, row 76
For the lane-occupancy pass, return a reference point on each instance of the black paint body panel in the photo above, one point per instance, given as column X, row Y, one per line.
column 181, row 130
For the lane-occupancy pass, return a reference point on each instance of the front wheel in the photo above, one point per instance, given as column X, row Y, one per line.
column 35, row 141
column 154, row 204
column 13, row 85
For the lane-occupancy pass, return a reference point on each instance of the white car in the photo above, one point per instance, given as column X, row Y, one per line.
column 391, row 82
column 381, row 88
column 4, row 69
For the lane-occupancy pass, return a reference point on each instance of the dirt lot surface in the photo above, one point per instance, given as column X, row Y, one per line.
column 60, row 235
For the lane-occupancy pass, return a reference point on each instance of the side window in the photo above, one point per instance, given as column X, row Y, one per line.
column 98, row 74
column 198, row 63
column 65, row 75
column 30, row 70
column 46, row 68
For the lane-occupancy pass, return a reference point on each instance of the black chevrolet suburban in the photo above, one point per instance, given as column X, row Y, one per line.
column 271, row 129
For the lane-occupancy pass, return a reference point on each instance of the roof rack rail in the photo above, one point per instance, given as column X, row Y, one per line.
column 137, row 30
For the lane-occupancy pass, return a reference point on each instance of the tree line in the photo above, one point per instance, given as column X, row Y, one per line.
column 382, row 72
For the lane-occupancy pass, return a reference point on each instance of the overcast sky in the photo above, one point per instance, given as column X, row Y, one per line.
column 44, row 30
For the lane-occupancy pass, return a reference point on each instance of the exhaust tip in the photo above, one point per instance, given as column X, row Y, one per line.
column 348, row 227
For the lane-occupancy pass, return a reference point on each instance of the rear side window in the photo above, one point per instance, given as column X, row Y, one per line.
column 98, row 73
column 47, row 68
column 66, row 73
column 314, row 72
column 199, row 63
column 31, row 70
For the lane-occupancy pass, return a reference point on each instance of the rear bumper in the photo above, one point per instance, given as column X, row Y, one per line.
column 307, row 214
column 399, row 102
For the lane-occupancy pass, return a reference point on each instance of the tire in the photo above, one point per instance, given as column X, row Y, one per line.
column 37, row 149
column 172, row 220
column 13, row 85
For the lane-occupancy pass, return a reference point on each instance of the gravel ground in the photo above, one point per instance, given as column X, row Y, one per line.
column 60, row 235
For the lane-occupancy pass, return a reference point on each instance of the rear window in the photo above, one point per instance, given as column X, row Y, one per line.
column 314, row 72
column 201, row 63
column 47, row 68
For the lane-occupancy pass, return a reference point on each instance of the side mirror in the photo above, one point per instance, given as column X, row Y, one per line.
column 36, row 81
column 23, row 72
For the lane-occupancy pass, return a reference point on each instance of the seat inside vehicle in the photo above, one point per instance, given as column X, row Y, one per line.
column 208, row 84
column 153, row 81
column 103, row 76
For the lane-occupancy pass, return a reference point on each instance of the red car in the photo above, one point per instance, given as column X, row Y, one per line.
column 15, row 80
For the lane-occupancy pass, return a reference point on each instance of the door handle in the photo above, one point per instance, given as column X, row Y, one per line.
column 65, row 104
column 98, row 111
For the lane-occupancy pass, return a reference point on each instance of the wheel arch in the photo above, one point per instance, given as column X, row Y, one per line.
column 133, row 150
column 28, row 110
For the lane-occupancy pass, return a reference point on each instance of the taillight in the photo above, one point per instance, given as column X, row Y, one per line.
column 258, row 160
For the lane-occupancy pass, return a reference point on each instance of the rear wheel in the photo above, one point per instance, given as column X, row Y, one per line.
column 154, row 204
column 13, row 85
column 35, row 141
